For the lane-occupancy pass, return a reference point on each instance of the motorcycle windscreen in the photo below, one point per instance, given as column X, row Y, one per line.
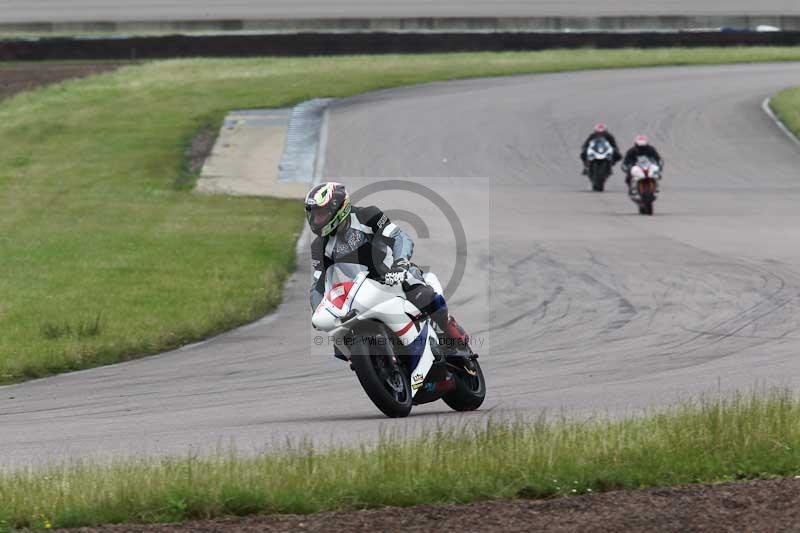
column 342, row 273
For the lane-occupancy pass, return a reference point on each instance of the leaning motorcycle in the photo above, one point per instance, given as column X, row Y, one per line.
column 397, row 353
column 600, row 155
column 645, row 175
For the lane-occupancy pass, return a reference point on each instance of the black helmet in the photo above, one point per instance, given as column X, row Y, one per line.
column 327, row 206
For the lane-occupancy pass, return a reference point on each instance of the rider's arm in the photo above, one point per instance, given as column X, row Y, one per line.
column 613, row 141
column 401, row 244
column 630, row 158
column 585, row 146
column 318, row 267
column 658, row 158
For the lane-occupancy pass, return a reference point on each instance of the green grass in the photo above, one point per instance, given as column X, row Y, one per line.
column 719, row 439
column 107, row 256
column 786, row 105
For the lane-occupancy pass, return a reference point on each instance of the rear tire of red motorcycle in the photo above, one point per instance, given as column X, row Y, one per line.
column 470, row 390
column 363, row 364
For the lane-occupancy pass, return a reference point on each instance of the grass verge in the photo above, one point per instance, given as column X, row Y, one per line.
column 786, row 105
column 105, row 257
column 717, row 439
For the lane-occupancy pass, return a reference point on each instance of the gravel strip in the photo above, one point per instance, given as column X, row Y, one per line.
column 18, row 77
column 772, row 505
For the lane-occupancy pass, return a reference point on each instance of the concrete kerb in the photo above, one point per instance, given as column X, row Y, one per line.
column 305, row 236
column 267, row 152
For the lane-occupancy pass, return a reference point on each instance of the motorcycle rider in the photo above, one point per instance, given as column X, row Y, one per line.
column 600, row 132
column 352, row 239
column 641, row 148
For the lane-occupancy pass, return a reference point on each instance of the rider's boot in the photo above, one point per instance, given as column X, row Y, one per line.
column 455, row 338
column 455, row 332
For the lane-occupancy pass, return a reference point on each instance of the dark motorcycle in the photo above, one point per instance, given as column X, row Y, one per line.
column 600, row 155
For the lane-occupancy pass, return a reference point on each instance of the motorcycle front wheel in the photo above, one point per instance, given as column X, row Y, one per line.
column 470, row 390
column 598, row 173
column 646, row 207
column 381, row 373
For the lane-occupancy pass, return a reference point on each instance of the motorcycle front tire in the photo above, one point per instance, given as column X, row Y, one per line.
column 368, row 358
column 647, row 205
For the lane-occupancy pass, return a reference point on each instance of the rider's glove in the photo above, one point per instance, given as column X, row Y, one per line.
column 398, row 273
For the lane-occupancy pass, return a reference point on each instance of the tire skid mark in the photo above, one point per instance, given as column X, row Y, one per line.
column 738, row 317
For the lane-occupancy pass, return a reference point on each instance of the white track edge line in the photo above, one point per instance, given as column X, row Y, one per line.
column 322, row 146
column 302, row 242
column 766, row 106
column 319, row 167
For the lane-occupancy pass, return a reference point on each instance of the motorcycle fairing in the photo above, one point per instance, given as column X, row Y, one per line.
column 599, row 149
column 339, row 297
column 645, row 173
column 417, row 352
column 386, row 304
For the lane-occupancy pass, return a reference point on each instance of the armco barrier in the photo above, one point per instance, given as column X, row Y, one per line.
column 306, row 44
column 419, row 24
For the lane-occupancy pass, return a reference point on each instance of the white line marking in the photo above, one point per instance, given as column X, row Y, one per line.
column 322, row 146
column 302, row 244
column 768, row 110
column 319, row 167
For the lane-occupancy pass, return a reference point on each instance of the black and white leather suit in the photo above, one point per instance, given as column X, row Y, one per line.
column 641, row 151
column 370, row 242
column 600, row 135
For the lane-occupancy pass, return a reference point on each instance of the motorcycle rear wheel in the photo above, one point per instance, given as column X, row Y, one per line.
column 381, row 374
column 470, row 390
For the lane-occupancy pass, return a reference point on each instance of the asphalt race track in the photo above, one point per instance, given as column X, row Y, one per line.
column 156, row 10
column 579, row 302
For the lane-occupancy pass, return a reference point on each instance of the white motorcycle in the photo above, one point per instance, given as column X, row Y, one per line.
column 645, row 175
column 600, row 155
column 397, row 353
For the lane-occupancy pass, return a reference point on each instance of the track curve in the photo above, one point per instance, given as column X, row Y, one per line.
column 588, row 305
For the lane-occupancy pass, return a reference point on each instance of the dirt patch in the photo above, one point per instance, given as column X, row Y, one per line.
column 18, row 77
column 200, row 148
column 772, row 505
column 195, row 155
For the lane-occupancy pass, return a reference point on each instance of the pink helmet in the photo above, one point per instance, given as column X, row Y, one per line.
column 600, row 127
column 642, row 140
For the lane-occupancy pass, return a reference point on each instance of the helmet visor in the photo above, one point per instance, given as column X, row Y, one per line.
column 318, row 218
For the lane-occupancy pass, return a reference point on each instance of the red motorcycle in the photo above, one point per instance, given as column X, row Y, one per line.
column 645, row 175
